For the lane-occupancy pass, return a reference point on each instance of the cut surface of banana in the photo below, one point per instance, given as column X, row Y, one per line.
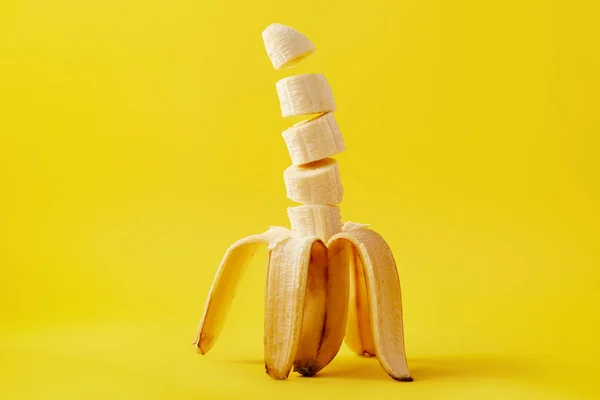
column 316, row 183
column 286, row 46
column 305, row 94
column 313, row 140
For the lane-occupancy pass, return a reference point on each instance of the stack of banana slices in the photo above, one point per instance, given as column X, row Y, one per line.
column 327, row 282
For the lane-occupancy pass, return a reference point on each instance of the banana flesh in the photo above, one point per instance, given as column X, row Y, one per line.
column 320, row 220
column 305, row 94
column 326, row 282
column 314, row 314
column 314, row 139
column 286, row 46
column 315, row 183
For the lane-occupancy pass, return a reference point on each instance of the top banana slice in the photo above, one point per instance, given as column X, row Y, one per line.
column 286, row 46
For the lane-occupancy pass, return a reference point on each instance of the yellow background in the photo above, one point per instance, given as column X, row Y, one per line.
column 140, row 138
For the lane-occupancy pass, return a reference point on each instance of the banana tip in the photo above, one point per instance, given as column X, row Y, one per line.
column 404, row 379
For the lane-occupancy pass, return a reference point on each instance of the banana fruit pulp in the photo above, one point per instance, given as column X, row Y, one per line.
column 327, row 282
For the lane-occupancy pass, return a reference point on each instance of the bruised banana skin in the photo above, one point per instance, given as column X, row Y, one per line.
column 324, row 324
column 384, row 300
column 225, row 284
column 314, row 313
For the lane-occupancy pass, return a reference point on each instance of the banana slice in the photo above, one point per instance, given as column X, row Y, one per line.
column 314, row 139
column 305, row 94
column 315, row 183
column 384, row 299
column 321, row 221
column 225, row 284
column 286, row 46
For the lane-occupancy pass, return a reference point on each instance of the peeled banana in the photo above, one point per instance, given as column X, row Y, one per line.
column 327, row 282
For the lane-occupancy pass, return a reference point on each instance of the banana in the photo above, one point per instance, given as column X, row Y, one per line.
column 305, row 94
column 315, row 183
column 314, row 139
column 286, row 46
column 322, row 221
column 327, row 282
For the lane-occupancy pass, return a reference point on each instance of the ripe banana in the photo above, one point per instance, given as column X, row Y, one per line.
column 326, row 282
